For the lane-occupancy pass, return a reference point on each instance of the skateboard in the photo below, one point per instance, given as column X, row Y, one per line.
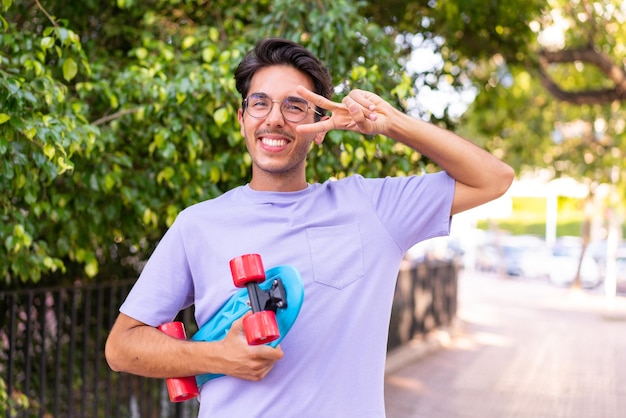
column 275, row 297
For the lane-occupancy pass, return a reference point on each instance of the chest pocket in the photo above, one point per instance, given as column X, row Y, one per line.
column 336, row 254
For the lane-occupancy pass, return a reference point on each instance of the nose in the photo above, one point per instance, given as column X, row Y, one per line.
column 275, row 117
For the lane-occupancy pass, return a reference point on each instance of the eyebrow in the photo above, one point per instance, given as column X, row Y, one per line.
column 292, row 98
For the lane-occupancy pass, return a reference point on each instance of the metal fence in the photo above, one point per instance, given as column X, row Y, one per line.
column 52, row 347
column 425, row 299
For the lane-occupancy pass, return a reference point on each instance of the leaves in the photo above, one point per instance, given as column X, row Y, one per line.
column 70, row 69
column 112, row 122
column 553, row 116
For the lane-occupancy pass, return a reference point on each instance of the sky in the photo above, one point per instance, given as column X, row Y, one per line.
column 424, row 60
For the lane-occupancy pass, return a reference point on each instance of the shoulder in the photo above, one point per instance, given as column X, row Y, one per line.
column 213, row 205
column 372, row 185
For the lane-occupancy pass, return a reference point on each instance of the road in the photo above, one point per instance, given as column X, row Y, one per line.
column 520, row 349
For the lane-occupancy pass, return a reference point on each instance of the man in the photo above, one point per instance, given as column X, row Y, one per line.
column 346, row 238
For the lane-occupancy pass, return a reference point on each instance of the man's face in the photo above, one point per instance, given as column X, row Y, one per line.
column 278, row 152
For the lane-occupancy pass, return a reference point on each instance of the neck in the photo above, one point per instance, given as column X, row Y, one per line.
column 277, row 183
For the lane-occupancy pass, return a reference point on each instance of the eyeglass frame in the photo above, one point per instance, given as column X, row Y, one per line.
column 244, row 105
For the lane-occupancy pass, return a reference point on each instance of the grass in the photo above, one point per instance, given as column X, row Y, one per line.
column 523, row 226
column 529, row 217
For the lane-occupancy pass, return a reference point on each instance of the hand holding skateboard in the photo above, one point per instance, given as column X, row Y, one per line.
column 275, row 297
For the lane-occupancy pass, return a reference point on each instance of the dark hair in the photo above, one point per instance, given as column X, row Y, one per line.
column 276, row 51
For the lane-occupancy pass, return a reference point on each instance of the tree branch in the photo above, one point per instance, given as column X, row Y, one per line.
column 108, row 118
column 591, row 56
column 50, row 18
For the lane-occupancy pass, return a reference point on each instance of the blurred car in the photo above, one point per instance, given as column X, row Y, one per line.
column 599, row 251
column 565, row 260
column 524, row 256
column 438, row 248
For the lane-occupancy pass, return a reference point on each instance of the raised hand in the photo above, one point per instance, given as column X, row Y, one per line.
column 360, row 111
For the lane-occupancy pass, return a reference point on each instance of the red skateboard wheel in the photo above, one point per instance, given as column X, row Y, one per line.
column 181, row 388
column 261, row 327
column 247, row 268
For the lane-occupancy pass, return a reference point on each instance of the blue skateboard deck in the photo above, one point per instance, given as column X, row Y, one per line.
column 217, row 327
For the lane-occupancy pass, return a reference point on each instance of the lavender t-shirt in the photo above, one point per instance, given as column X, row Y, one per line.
column 346, row 238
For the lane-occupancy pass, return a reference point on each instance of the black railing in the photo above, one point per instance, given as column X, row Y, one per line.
column 425, row 299
column 52, row 358
column 52, row 347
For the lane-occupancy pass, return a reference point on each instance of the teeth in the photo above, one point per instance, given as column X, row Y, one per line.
column 274, row 142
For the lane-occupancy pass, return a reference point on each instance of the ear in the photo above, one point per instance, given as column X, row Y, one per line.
column 240, row 119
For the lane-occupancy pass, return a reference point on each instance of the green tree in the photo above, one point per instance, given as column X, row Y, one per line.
column 115, row 115
column 549, row 77
column 564, row 104
column 556, row 62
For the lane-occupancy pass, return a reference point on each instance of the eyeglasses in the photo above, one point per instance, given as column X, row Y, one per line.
column 293, row 109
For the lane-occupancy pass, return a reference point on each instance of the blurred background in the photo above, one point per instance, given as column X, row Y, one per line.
column 117, row 114
column 545, row 230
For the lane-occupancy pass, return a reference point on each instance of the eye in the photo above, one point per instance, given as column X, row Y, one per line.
column 295, row 106
column 259, row 103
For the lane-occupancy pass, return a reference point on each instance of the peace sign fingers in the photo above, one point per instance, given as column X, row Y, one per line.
column 355, row 113
column 327, row 123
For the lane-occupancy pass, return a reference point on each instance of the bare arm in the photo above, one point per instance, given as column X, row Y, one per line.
column 137, row 348
column 480, row 177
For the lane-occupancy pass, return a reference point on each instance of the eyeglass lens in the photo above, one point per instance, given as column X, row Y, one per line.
column 294, row 109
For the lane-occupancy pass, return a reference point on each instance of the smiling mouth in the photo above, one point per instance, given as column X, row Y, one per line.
column 273, row 142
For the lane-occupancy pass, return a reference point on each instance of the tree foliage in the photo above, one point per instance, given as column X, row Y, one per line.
column 557, row 105
column 115, row 115
column 550, row 82
column 549, row 76
column 562, row 109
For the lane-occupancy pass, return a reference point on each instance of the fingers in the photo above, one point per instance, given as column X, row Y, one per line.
column 357, row 112
column 365, row 99
column 245, row 361
column 260, row 361
column 323, row 126
column 362, row 105
column 236, row 329
column 315, row 98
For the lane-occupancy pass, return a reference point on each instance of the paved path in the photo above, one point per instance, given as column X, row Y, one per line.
column 522, row 349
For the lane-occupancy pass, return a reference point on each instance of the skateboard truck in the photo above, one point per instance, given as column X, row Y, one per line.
column 268, row 300
column 260, row 327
